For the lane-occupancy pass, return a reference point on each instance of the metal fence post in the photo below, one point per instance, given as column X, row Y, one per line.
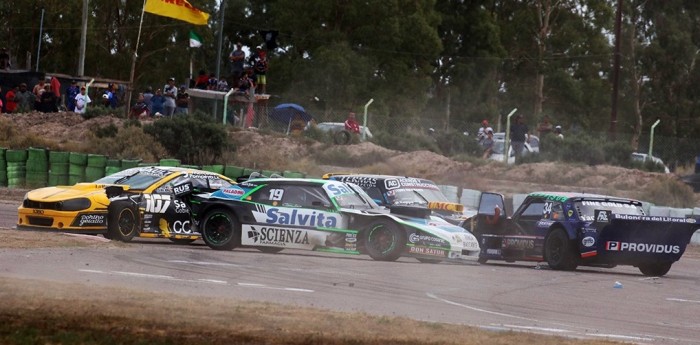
column 651, row 137
column 506, row 143
column 364, row 129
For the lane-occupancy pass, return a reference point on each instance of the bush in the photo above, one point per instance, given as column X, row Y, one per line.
column 128, row 143
column 669, row 191
column 109, row 131
column 190, row 138
column 96, row 109
column 407, row 141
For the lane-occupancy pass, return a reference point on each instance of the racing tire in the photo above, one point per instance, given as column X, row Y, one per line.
column 220, row 230
column 342, row 137
column 384, row 241
column 269, row 250
column 656, row 269
column 429, row 261
column 559, row 251
column 123, row 222
column 182, row 240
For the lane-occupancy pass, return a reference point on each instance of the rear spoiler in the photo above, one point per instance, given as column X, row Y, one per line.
column 446, row 206
column 329, row 175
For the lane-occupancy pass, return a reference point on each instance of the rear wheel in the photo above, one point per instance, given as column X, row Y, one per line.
column 220, row 230
column 342, row 137
column 559, row 251
column 123, row 222
column 656, row 269
column 384, row 241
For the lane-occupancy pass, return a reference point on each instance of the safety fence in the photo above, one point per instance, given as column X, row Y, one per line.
column 38, row 167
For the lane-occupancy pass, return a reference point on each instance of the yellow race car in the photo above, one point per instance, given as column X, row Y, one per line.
column 82, row 208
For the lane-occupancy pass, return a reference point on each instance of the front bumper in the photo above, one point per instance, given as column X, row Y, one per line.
column 89, row 222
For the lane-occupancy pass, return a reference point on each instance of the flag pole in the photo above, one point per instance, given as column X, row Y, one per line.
column 133, row 63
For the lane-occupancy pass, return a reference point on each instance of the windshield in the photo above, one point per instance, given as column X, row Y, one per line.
column 135, row 178
column 432, row 195
column 405, row 197
column 586, row 208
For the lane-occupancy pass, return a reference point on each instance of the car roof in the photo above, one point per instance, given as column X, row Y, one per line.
column 377, row 176
column 563, row 196
column 179, row 169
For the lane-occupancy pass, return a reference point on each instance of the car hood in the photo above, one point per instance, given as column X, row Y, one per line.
column 59, row 193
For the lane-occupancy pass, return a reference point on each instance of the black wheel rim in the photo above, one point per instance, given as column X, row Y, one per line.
column 127, row 221
column 218, row 228
column 555, row 249
column 382, row 239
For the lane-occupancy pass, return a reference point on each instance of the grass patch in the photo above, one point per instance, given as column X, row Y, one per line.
column 669, row 191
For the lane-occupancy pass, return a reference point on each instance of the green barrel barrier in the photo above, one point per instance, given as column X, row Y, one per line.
column 170, row 162
column 16, row 168
column 191, row 166
column 96, row 161
column 293, row 174
column 216, row 168
column 248, row 171
column 113, row 166
column 233, row 172
column 3, row 167
column 146, row 164
column 37, row 166
column 59, row 167
column 95, row 169
column 76, row 168
column 130, row 163
column 269, row 173
column 59, row 157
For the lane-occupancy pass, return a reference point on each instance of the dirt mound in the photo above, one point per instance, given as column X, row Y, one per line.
column 60, row 127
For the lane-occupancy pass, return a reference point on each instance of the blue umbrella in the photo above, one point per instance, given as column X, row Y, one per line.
column 287, row 112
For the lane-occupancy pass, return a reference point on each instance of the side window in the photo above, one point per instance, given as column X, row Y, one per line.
column 534, row 209
column 552, row 210
column 305, row 196
column 376, row 195
column 165, row 188
column 262, row 195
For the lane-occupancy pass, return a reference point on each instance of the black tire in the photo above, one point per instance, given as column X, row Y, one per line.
column 482, row 260
column 123, row 222
column 220, row 230
column 655, row 269
column 429, row 261
column 269, row 250
column 182, row 240
column 384, row 241
column 559, row 251
column 342, row 137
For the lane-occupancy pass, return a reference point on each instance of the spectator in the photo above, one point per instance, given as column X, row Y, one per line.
column 48, row 101
column 487, row 143
column 24, row 99
column 72, row 91
column 158, row 104
column 237, row 59
column 246, row 84
column 182, row 101
column 2, row 105
column 557, row 132
column 545, row 127
column 222, row 85
column 81, row 101
column 114, row 100
column 202, row 80
column 4, row 59
column 260, row 67
column 38, row 90
column 11, row 100
column 139, row 109
column 170, row 94
column 212, row 82
column 481, row 134
column 519, row 134
column 351, row 124
column 147, row 95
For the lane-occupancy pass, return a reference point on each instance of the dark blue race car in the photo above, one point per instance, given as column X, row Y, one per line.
column 571, row 229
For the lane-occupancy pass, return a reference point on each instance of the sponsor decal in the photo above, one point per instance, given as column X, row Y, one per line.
column 589, row 254
column 545, row 223
column 182, row 227
column 588, row 241
column 90, row 220
column 616, row 246
column 570, row 213
column 178, row 190
column 425, row 239
column 607, row 204
column 337, row 189
column 164, row 189
column 391, row 183
column 550, row 196
column 157, row 203
column 233, row 191
column 427, row 251
column 204, row 176
column 350, row 241
column 601, row 216
column 519, row 243
column 654, row 218
column 363, row 182
column 181, row 206
column 276, row 236
column 35, row 211
column 447, row 206
column 493, row 251
column 153, row 172
column 301, row 217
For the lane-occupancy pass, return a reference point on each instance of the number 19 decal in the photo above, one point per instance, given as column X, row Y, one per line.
column 276, row 194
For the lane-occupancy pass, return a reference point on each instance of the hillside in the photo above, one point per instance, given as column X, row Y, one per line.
column 68, row 131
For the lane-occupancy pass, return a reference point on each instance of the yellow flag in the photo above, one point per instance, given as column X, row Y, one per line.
column 177, row 9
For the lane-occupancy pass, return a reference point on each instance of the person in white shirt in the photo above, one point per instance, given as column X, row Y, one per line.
column 81, row 101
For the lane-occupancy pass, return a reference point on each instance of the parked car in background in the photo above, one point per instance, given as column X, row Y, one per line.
column 531, row 147
column 646, row 159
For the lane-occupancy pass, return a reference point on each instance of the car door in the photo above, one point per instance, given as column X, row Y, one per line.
column 529, row 214
column 165, row 212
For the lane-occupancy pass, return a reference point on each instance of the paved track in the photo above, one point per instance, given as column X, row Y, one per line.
column 583, row 303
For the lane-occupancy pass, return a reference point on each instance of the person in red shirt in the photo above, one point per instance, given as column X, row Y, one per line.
column 351, row 125
column 10, row 103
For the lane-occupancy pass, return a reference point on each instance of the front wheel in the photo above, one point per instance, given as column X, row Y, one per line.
column 559, row 251
column 123, row 222
column 385, row 241
column 656, row 269
column 220, row 230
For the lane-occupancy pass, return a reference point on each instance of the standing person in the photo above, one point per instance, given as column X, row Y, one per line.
column 481, row 134
column 261, row 65
column 81, row 101
column 182, row 101
column 519, row 134
column 557, row 132
column 139, row 109
column 11, row 100
column 157, row 104
column 351, row 125
column 24, row 99
column 147, row 95
column 49, row 101
column 72, row 91
column 170, row 94
column 38, row 90
column 487, row 143
column 237, row 59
